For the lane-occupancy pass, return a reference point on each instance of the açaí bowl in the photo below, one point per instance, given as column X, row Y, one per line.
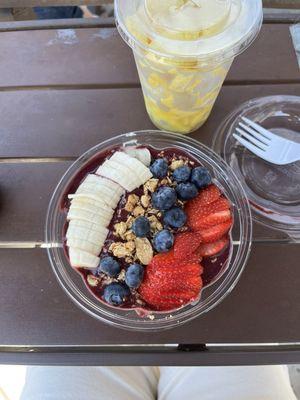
column 211, row 295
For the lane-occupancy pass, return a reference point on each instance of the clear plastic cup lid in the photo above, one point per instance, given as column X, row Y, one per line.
column 203, row 29
column 188, row 19
column 273, row 190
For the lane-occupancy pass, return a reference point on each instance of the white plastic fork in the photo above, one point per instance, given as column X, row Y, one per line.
column 265, row 144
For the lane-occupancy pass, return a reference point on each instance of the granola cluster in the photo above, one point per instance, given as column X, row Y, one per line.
column 130, row 247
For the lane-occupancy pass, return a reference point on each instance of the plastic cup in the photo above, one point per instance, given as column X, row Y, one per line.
column 183, row 51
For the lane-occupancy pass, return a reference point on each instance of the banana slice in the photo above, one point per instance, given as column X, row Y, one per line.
column 101, row 188
column 86, row 199
column 109, row 198
column 88, row 216
column 119, row 173
column 87, row 203
column 85, row 234
column 99, row 181
column 80, row 258
column 84, row 245
column 141, row 172
column 142, row 154
column 104, row 212
column 123, row 169
column 91, row 226
column 126, row 170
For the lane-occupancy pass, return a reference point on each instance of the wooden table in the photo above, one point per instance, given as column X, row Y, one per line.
column 63, row 91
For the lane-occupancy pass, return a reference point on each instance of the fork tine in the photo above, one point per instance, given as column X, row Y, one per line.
column 249, row 146
column 254, row 133
column 252, row 139
column 267, row 134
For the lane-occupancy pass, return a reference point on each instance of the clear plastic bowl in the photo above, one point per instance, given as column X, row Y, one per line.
column 72, row 282
column 273, row 190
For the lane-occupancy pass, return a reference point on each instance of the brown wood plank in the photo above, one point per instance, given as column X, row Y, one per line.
column 281, row 16
column 264, row 62
column 281, row 4
column 263, row 308
column 58, row 123
column 24, row 204
column 55, row 57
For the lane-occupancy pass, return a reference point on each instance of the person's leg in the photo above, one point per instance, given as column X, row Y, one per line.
column 58, row 12
column 90, row 383
column 225, row 383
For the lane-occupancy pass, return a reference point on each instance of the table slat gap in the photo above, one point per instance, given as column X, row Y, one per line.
column 72, row 23
column 83, row 86
column 19, row 245
column 34, row 160
column 121, row 86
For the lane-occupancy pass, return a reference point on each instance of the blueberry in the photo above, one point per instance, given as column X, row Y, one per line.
column 141, row 227
column 109, row 266
column 186, row 191
column 200, row 177
column 159, row 168
column 134, row 275
column 116, row 294
column 164, row 198
column 163, row 241
column 175, row 217
column 182, row 174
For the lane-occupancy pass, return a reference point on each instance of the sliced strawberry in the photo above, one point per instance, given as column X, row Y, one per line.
column 161, row 304
column 170, row 283
column 209, row 194
column 163, row 259
column 180, row 275
column 219, row 205
column 185, row 244
column 200, row 218
column 205, row 197
column 178, row 285
column 197, row 209
column 213, row 219
column 211, row 249
column 196, row 258
column 214, row 233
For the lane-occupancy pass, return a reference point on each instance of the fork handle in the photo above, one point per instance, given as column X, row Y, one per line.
column 294, row 152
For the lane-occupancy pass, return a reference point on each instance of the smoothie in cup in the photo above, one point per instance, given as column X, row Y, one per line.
column 183, row 51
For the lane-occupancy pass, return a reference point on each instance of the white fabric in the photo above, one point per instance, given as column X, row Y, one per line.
column 151, row 383
column 225, row 383
column 90, row 383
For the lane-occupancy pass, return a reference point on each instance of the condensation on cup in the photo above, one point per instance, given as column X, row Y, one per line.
column 183, row 51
